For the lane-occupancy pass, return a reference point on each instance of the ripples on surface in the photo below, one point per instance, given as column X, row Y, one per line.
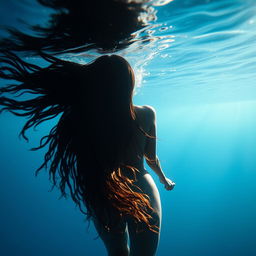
column 205, row 50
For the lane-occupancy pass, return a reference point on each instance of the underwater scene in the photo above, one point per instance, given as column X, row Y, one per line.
column 195, row 63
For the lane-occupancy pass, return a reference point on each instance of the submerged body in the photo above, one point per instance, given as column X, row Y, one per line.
column 77, row 161
column 144, row 242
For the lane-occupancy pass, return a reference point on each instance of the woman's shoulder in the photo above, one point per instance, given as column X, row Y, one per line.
column 145, row 108
column 148, row 111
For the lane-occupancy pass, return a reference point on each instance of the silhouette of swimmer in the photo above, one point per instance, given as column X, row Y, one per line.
column 97, row 147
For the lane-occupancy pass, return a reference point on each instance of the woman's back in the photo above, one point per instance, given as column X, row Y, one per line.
column 136, row 149
column 142, row 240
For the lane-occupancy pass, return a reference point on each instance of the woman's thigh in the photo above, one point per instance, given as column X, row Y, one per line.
column 143, row 241
column 115, row 241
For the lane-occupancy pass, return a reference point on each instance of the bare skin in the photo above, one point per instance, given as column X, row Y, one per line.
column 143, row 243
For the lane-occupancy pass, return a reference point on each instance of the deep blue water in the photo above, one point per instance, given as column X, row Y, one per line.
column 199, row 74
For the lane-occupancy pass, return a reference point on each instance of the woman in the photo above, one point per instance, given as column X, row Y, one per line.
column 97, row 148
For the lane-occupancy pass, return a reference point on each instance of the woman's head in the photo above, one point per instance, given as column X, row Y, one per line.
column 112, row 80
column 115, row 70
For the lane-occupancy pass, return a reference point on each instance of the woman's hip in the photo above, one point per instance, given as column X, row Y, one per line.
column 147, row 185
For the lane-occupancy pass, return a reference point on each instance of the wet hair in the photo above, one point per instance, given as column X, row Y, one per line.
column 87, row 146
column 78, row 26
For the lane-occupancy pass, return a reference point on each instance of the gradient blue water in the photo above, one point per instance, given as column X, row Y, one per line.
column 199, row 74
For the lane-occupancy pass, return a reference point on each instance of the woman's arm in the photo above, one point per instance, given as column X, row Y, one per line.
column 150, row 151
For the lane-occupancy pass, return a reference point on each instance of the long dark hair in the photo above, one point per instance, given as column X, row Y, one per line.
column 87, row 147
column 78, row 25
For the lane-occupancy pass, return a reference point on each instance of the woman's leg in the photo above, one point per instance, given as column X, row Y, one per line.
column 115, row 242
column 142, row 243
column 145, row 243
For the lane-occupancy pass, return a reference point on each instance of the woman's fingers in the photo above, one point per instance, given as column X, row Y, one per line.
column 170, row 185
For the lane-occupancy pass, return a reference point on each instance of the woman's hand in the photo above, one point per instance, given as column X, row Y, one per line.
column 168, row 184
